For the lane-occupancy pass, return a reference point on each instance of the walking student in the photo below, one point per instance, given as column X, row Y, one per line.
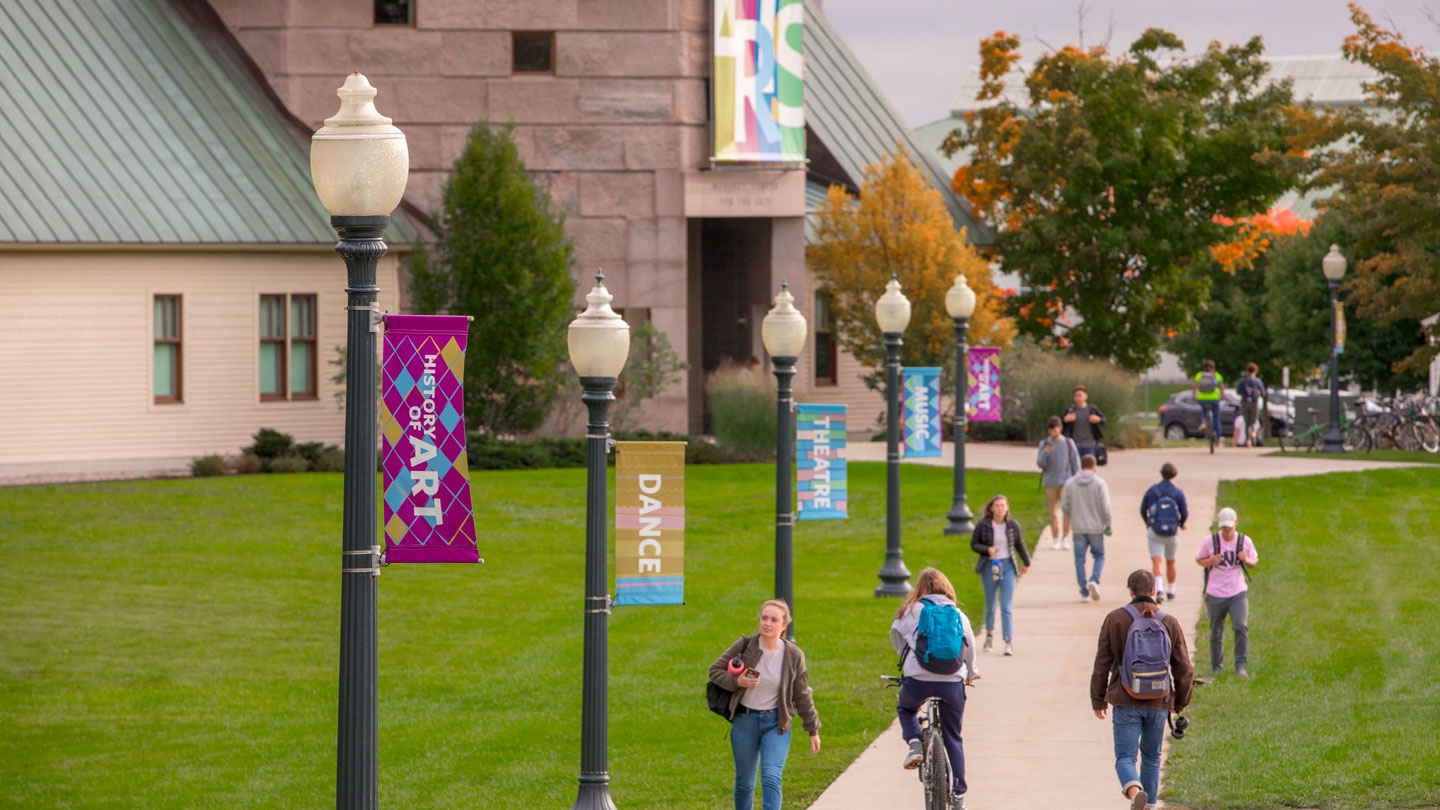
column 1082, row 424
column 1227, row 557
column 1208, row 389
column 1143, row 670
column 1252, row 403
column 998, row 541
column 1058, row 459
column 1086, row 503
column 770, row 688
column 937, row 659
column 1165, row 512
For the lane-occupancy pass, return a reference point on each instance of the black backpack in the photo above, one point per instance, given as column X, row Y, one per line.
column 718, row 697
column 1239, row 546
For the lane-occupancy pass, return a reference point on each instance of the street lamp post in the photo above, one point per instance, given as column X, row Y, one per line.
column 892, row 312
column 359, row 164
column 783, row 332
column 960, row 303
column 1333, row 266
column 599, row 342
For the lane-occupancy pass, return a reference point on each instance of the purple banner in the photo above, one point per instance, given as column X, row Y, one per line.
column 984, row 390
column 424, row 474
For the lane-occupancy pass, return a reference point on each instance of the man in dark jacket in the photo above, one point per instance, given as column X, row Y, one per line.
column 1082, row 424
column 1139, row 725
column 1164, row 547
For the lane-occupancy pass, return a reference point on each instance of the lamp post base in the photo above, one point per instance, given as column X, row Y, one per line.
column 594, row 796
column 961, row 521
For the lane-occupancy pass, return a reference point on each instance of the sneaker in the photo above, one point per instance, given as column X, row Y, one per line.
column 1170, row 595
column 1055, row 545
column 1137, row 802
column 1159, row 598
column 1240, row 670
column 1216, row 671
column 989, row 643
column 1094, row 591
column 1009, row 650
column 1065, row 543
column 913, row 756
column 958, row 803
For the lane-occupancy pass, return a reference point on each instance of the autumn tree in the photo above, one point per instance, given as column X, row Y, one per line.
column 1382, row 165
column 1105, row 184
column 899, row 225
column 503, row 257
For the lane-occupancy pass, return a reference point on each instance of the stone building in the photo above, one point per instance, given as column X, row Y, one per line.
column 610, row 102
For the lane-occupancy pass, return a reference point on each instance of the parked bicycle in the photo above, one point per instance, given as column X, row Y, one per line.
column 934, row 770
column 1401, row 422
column 1313, row 437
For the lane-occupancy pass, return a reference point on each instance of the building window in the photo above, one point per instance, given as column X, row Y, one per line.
column 532, row 52
column 394, row 12
column 302, row 347
column 288, row 348
column 272, row 347
column 827, row 354
column 167, row 348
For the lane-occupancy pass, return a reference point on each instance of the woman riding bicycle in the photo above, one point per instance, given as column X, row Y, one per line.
column 920, row 682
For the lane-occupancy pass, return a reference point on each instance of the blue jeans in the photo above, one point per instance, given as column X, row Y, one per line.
column 1096, row 543
column 755, row 740
column 1006, row 589
column 1085, row 451
column 1139, row 731
column 913, row 693
column 1213, row 409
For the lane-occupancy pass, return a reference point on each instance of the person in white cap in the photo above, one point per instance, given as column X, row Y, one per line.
column 1227, row 557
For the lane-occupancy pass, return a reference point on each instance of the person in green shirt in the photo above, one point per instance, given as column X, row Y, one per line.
column 1209, row 388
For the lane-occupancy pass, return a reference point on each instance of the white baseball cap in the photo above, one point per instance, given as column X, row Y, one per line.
column 1227, row 518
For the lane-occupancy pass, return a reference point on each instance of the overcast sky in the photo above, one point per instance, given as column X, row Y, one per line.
column 918, row 50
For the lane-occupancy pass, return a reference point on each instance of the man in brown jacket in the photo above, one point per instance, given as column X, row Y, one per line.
column 1139, row 724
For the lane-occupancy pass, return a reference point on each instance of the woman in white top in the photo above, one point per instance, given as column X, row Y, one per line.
column 998, row 541
column 766, row 675
column 919, row 683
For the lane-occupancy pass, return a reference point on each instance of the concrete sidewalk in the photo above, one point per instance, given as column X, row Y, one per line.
column 1031, row 739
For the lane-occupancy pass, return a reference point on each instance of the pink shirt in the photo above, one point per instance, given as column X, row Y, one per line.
column 1227, row 578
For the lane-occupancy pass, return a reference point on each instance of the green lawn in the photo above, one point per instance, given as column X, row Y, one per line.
column 1409, row 456
column 1342, row 708
column 173, row 644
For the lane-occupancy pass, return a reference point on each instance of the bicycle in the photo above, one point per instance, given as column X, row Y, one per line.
column 1212, row 430
column 934, row 770
column 1313, row 437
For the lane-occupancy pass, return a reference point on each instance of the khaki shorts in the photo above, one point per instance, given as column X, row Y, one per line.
column 1162, row 546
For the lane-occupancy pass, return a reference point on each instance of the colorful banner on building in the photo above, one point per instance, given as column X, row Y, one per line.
column 758, row 86
column 984, row 385
column 425, row 476
column 650, row 523
column 823, row 483
column 921, row 414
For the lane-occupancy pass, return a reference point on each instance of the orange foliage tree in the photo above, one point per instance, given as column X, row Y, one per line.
column 899, row 225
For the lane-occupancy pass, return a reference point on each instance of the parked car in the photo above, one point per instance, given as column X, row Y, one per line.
column 1181, row 418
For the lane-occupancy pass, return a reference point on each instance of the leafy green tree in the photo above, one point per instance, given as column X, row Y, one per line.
column 653, row 366
column 502, row 256
column 1297, row 316
column 1381, row 164
column 1113, row 180
column 1231, row 329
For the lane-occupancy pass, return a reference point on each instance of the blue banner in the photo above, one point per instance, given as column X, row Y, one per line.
column 922, row 413
column 820, row 458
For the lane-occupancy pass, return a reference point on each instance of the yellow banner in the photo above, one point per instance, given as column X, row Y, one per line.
column 650, row 523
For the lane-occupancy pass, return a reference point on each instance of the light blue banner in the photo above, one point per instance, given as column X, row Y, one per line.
column 823, row 483
column 922, row 412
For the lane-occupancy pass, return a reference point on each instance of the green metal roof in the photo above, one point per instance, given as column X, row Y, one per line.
column 141, row 122
column 848, row 112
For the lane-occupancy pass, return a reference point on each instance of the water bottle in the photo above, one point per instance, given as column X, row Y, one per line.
column 996, row 572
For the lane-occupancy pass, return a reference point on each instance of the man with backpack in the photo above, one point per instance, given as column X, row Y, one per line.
column 1252, row 403
column 1208, row 389
column 1165, row 513
column 1082, row 424
column 1227, row 557
column 1143, row 669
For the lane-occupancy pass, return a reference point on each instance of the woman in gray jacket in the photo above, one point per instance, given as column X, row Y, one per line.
column 766, row 673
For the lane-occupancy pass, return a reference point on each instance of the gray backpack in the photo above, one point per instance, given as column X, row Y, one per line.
column 1145, row 662
column 1208, row 382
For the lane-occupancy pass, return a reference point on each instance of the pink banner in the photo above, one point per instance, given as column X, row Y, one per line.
column 984, row 404
column 425, row 478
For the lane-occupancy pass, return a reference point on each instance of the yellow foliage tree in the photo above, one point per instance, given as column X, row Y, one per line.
column 899, row 224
